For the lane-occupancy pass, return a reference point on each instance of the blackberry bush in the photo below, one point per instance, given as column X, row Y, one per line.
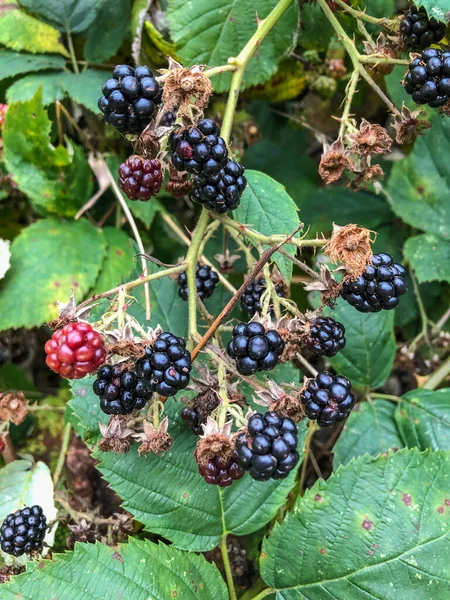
column 251, row 300
column 255, row 349
column 23, row 532
column 269, row 450
column 379, row 287
column 140, row 178
column 326, row 336
column 206, row 280
column 130, row 98
column 428, row 78
column 420, row 31
column 121, row 391
column 328, row 399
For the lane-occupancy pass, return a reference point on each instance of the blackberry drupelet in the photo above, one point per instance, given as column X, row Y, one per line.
column 251, row 300
column 166, row 365
column 428, row 78
column 23, row 532
column 140, row 178
column 254, row 348
column 168, row 119
column 192, row 418
column 221, row 472
column 420, row 31
column 221, row 192
column 326, row 336
column 199, row 149
column 206, row 280
column 379, row 287
column 121, row 391
column 328, row 399
column 269, row 450
column 130, row 98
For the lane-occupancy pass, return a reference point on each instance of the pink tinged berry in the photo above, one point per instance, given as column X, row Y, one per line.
column 184, row 150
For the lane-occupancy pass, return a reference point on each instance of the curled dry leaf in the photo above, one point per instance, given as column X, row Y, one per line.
column 371, row 174
column 371, row 138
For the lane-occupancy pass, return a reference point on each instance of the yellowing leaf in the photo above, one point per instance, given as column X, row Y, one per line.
column 20, row 31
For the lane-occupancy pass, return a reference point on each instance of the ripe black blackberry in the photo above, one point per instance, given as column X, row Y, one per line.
column 166, row 365
column 328, row 399
column 199, row 149
column 428, row 78
column 254, row 348
column 168, row 119
column 251, row 300
column 130, row 98
column 121, row 391
column 192, row 418
column 23, row 531
column 221, row 472
column 205, row 279
column 140, row 178
column 379, row 287
column 326, row 336
column 269, row 450
column 420, row 31
column 221, row 192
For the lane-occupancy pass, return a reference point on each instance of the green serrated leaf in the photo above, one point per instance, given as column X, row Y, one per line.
column 20, row 31
column 370, row 429
column 206, row 33
column 378, row 528
column 67, row 15
column 86, row 410
column 49, row 259
column 423, row 419
column 438, row 9
column 369, row 353
column 418, row 185
column 268, row 208
column 316, row 29
column 15, row 63
column 429, row 256
column 119, row 261
column 107, row 32
column 139, row 570
column 25, row 88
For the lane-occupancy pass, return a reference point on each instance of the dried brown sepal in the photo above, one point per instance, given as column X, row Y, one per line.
column 147, row 144
column 408, row 126
column 186, row 89
column 289, row 406
column 371, row 138
column 350, row 245
column 126, row 348
column 215, row 442
column 371, row 174
column 226, row 260
column 382, row 49
column 179, row 184
column 327, row 285
column 334, row 162
column 116, row 436
column 13, row 407
column 154, row 440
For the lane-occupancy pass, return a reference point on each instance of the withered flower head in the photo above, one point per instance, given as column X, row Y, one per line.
column 226, row 260
column 116, row 436
column 380, row 50
column 178, row 185
column 370, row 139
column 153, row 440
column 215, row 442
column 371, row 174
column 186, row 88
column 408, row 126
column 13, row 407
column 328, row 286
column 334, row 161
column 278, row 400
column 336, row 68
column 350, row 245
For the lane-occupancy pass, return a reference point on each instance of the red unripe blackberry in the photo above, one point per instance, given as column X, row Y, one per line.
column 140, row 178
column 23, row 531
column 75, row 350
column 221, row 472
column 3, row 110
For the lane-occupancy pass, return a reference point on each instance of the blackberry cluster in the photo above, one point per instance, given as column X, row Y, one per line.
column 379, row 287
column 220, row 192
column 326, row 336
column 130, row 98
column 221, row 472
column 428, row 78
column 251, row 300
column 206, row 280
column 420, row 31
column 121, row 392
column 140, row 178
column 270, row 448
column 199, row 149
column 166, row 365
column 254, row 348
column 168, row 119
column 328, row 399
column 192, row 418
column 23, row 531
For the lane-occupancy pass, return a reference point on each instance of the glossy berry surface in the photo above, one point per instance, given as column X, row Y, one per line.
column 166, row 366
column 220, row 192
column 328, row 398
column 192, row 418
column 326, row 337
column 221, row 472
column 379, row 287
column 168, row 119
column 130, row 98
column 121, row 391
column 205, row 280
column 254, row 348
column 75, row 351
column 420, row 31
column 198, row 149
column 428, row 78
column 251, row 300
column 23, row 531
column 140, row 178
column 269, row 449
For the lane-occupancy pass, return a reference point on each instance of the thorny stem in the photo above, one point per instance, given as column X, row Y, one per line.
column 227, row 567
column 358, row 14
column 73, row 57
column 303, row 266
column 249, row 258
column 423, row 316
column 191, row 261
column 351, row 89
column 62, row 454
column 222, row 377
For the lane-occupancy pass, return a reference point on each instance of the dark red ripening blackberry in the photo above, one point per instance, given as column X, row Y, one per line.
column 326, row 336
column 140, row 178
column 269, row 450
column 420, row 31
column 121, row 391
column 328, row 398
column 379, row 287
column 23, row 532
column 254, row 348
column 221, row 472
column 428, row 78
column 251, row 300
column 205, row 279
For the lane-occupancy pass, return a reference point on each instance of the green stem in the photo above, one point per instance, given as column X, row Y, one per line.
column 227, row 567
column 358, row 14
column 351, row 89
column 438, row 376
column 385, row 397
column 383, row 60
column 62, row 454
column 265, row 593
column 73, row 57
column 191, row 261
